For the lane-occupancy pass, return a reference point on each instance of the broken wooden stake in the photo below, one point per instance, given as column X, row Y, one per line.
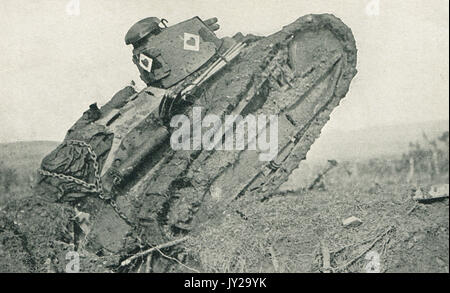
column 158, row 247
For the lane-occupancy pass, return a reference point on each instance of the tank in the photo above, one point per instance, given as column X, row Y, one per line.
column 118, row 165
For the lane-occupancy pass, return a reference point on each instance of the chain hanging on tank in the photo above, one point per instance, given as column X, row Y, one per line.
column 86, row 186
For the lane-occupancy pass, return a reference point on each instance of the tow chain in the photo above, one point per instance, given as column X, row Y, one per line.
column 89, row 187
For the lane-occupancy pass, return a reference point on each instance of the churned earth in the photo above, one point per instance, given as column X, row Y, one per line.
column 289, row 232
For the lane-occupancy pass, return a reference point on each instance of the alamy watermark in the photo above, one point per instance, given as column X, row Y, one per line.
column 73, row 7
column 254, row 132
column 73, row 265
column 374, row 264
column 373, row 8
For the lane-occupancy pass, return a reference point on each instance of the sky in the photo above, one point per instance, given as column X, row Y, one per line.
column 55, row 62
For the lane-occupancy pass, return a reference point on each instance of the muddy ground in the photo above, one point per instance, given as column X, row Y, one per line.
column 286, row 233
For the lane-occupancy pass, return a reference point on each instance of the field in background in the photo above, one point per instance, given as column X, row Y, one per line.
column 373, row 142
column 289, row 231
column 18, row 164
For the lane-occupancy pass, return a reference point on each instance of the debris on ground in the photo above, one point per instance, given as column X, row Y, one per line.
column 318, row 181
column 431, row 194
column 351, row 222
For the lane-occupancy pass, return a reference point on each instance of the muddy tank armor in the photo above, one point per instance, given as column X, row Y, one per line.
column 116, row 162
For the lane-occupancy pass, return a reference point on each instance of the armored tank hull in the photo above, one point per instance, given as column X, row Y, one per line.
column 118, row 164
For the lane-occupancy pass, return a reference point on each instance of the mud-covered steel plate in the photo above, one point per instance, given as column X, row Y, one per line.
column 181, row 50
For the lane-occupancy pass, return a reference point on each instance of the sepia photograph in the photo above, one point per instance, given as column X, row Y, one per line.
column 227, row 137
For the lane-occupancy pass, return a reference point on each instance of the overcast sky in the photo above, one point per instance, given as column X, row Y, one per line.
column 53, row 65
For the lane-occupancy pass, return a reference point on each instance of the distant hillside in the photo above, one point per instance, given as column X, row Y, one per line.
column 27, row 154
column 373, row 142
